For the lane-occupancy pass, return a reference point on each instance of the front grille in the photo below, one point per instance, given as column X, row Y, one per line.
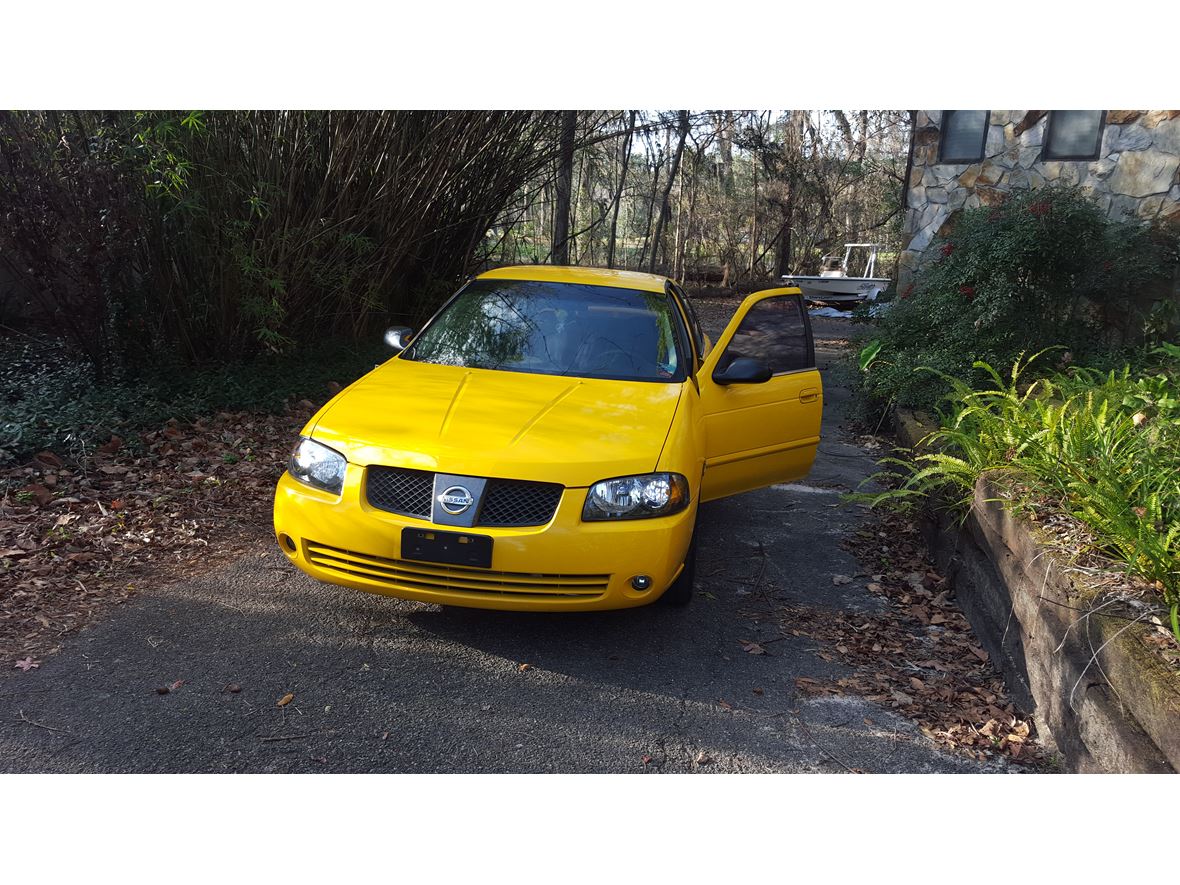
column 509, row 502
column 400, row 490
column 398, row 574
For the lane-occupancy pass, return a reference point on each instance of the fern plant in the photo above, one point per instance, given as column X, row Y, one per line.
column 1102, row 447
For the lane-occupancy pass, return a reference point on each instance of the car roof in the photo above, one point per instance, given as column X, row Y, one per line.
column 586, row 276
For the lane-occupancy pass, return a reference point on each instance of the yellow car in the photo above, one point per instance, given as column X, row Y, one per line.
column 545, row 441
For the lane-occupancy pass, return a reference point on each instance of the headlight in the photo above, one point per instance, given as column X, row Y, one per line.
column 318, row 466
column 636, row 497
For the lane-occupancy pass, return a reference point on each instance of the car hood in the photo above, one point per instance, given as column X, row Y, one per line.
column 481, row 422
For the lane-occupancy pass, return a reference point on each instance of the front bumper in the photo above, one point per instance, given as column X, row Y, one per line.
column 566, row 565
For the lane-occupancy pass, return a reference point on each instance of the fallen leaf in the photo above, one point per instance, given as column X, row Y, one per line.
column 233, row 688
column 647, row 760
column 27, row 664
column 758, row 691
column 752, row 648
column 285, row 699
column 49, row 458
column 724, row 704
column 175, row 685
column 523, row 667
column 703, row 758
column 979, row 652
column 42, row 495
column 841, row 579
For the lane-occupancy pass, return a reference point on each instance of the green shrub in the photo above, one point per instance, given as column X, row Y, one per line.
column 1102, row 447
column 1045, row 267
column 50, row 400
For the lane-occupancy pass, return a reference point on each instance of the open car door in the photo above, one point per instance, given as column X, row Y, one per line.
column 761, row 396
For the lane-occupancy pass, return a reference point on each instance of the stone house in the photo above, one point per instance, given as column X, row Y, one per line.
column 1128, row 161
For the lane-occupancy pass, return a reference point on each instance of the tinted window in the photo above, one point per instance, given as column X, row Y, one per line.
column 773, row 331
column 963, row 136
column 1073, row 135
column 698, row 335
column 555, row 329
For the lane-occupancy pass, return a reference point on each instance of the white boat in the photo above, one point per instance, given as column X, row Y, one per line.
column 835, row 285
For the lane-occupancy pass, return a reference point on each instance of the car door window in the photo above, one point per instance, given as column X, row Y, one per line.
column 775, row 331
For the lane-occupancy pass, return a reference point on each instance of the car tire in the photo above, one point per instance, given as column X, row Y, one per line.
column 681, row 592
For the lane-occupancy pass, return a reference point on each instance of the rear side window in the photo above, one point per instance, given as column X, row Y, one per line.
column 775, row 331
column 698, row 335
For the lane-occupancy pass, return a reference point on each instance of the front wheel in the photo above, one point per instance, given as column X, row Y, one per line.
column 680, row 593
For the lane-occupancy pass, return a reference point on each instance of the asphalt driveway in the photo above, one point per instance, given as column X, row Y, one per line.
column 381, row 685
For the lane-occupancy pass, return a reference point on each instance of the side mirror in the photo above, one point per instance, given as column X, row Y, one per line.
column 744, row 370
column 398, row 337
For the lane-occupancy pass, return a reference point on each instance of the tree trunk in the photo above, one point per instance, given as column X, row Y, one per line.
column 565, row 182
column 754, row 217
column 614, row 218
column 783, row 264
column 725, row 146
column 665, row 209
column 651, row 203
column 692, row 203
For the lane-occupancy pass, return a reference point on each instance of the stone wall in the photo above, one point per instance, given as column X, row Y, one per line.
column 1098, row 696
column 1137, row 174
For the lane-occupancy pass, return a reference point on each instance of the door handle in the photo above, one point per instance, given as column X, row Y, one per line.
column 808, row 395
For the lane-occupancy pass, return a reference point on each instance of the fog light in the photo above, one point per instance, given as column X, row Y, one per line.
column 641, row 582
column 288, row 542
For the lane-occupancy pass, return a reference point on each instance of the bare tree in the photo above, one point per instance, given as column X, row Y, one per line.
column 618, row 199
column 665, row 209
column 565, row 182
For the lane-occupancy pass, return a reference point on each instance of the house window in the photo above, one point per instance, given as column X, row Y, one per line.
column 964, row 134
column 1073, row 135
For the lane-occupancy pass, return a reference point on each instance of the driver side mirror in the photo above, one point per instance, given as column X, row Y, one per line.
column 398, row 337
column 743, row 370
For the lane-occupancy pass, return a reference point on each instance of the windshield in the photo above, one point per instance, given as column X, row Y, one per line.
column 555, row 329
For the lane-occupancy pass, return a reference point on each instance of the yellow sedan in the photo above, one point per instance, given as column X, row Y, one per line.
column 544, row 442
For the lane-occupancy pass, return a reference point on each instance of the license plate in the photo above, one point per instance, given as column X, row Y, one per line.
column 447, row 548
